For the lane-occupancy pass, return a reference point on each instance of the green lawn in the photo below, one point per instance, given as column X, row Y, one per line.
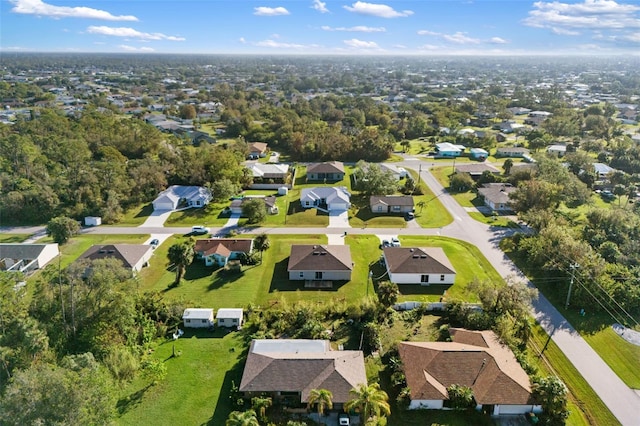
column 361, row 216
column 136, row 216
column 13, row 238
column 196, row 388
column 211, row 215
column 466, row 259
column 433, row 214
column 586, row 407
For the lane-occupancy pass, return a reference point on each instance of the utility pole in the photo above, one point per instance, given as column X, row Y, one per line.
column 419, row 174
column 573, row 267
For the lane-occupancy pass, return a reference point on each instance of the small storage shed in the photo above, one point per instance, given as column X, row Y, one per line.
column 92, row 221
column 229, row 317
column 198, row 317
column 283, row 190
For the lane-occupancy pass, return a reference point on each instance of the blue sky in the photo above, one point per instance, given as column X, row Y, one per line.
column 418, row 27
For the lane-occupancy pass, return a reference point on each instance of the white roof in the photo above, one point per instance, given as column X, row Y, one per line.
column 290, row 346
column 197, row 313
column 176, row 192
column 446, row 146
column 329, row 193
column 260, row 169
column 229, row 313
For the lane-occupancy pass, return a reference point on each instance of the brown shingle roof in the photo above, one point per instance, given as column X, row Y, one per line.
column 128, row 254
column 336, row 371
column 492, row 371
column 222, row 246
column 392, row 200
column 320, row 258
column 326, row 167
column 419, row 260
column 477, row 169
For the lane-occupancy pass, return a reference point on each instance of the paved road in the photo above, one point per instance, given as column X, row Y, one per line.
column 623, row 402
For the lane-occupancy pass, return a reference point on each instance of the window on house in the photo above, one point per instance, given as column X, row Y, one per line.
column 234, row 321
column 441, row 277
column 301, row 274
column 188, row 321
column 204, row 321
column 424, row 278
column 379, row 208
column 396, row 208
column 318, row 275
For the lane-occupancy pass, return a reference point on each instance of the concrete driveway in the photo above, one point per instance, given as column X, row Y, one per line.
column 157, row 218
column 339, row 219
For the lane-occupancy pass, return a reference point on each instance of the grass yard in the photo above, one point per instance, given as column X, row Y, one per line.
column 196, row 388
column 211, row 215
column 136, row 216
column 13, row 238
column 80, row 243
column 468, row 262
column 430, row 213
column 586, row 408
column 361, row 216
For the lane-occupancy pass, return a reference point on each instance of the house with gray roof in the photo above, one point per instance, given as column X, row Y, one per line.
column 320, row 263
column 330, row 171
column 132, row 256
column 329, row 198
column 391, row 203
column 496, row 196
column 418, row 265
column 289, row 369
column 177, row 195
column 16, row 257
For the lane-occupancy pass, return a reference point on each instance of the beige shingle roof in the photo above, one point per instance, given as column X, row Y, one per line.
column 320, row 258
column 417, row 260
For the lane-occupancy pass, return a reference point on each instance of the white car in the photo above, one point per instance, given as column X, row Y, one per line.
column 395, row 242
column 199, row 230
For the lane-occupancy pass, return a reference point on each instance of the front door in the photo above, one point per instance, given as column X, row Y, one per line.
column 318, row 275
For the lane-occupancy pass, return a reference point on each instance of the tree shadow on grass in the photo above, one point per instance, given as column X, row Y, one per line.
column 225, row 406
column 198, row 270
column 429, row 290
column 131, row 401
column 223, row 277
column 145, row 211
column 280, row 280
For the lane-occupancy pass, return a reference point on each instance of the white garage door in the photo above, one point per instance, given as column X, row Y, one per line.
column 162, row 206
column 338, row 207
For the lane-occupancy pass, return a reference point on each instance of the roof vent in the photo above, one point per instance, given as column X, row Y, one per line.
column 102, row 251
column 423, row 256
column 111, row 251
column 315, row 253
column 416, row 256
column 411, row 250
column 323, row 253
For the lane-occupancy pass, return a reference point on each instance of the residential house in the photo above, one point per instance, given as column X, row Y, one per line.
column 603, row 170
column 397, row 172
column 132, row 256
column 219, row 251
column 177, row 195
column 476, row 170
column 289, row 369
column 320, row 263
column 17, row 257
column 418, row 265
column 229, row 317
column 330, row 198
column 476, row 359
column 264, row 172
column 508, row 127
column 446, row 149
column 269, row 203
column 198, row 317
column 519, row 110
column 478, row 154
column 391, row 203
column 330, row 171
column 559, row 150
column 535, row 118
column 257, row 149
column 496, row 196
column 512, row 151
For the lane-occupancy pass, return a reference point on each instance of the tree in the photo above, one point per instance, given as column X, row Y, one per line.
column 460, row 397
column 224, row 188
column 242, row 418
column 187, row 111
column 551, row 393
column 62, row 228
column 254, row 210
column 421, row 204
column 370, row 400
column 260, row 404
column 508, row 164
column 180, row 255
column 372, row 180
column 322, row 398
column 261, row 243
column 388, row 293
column 461, row 182
column 535, row 194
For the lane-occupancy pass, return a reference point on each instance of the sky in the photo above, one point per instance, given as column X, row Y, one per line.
column 317, row 27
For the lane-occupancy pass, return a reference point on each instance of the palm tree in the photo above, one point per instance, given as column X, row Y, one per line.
column 323, row 398
column 260, row 404
column 508, row 164
column 242, row 418
column 180, row 255
column 261, row 243
column 421, row 204
column 370, row 400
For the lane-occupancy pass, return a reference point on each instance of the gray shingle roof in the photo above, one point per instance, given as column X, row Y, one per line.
column 320, row 258
column 417, row 260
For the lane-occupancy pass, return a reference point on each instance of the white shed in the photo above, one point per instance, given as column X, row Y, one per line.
column 198, row 317
column 92, row 221
column 283, row 190
column 229, row 317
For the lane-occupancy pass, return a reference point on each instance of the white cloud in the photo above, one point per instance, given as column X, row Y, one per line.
column 379, row 10
column 40, row 8
column 427, row 32
column 564, row 31
column 399, row 46
column 136, row 49
column 320, row 6
column 279, row 45
column 460, row 38
column 242, row 40
column 357, row 29
column 361, row 44
column 498, row 40
column 634, row 37
column 130, row 33
column 270, row 11
column 589, row 14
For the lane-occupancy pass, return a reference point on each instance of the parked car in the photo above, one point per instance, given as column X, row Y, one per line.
column 154, row 243
column 385, row 243
column 199, row 230
column 409, row 216
column 395, row 242
column 344, row 419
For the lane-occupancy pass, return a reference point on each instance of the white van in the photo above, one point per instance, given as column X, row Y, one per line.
column 199, row 230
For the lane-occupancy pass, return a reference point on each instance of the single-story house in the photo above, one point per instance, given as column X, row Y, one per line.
column 219, row 251
column 391, row 203
column 446, row 149
column 476, row 170
column 418, row 265
column 264, row 171
column 289, row 369
column 559, row 150
column 475, row 359
column 132, row 256
column 269, row 203
column 330, row 198
column 327, row 171
column 397, row 172
column 512, row 151
column 603, row 170
column 198, row 317
column 257, row 149
column 191, row 196
column 519, row 110
column 508, row 126
column 478, row 154
column 496, row 196
column 26, row 257
column 229, row 317
column 320, row 263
